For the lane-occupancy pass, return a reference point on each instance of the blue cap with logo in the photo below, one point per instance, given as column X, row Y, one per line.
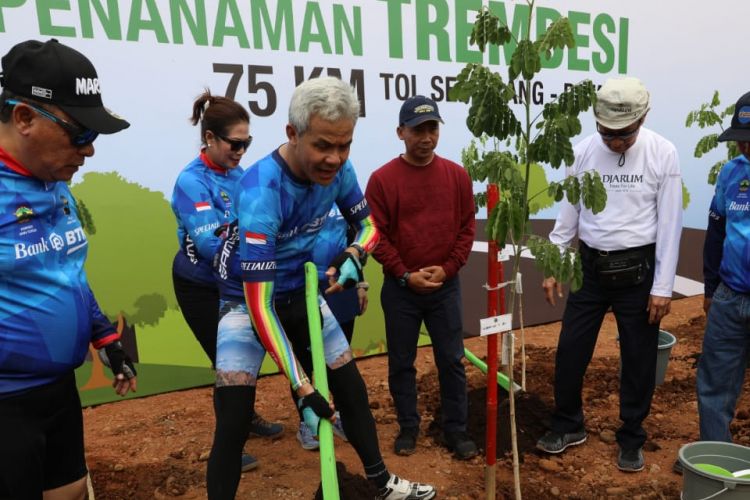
column 418, row 109
column 740, row 129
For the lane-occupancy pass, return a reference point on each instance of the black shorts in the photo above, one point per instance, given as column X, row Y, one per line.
column 41, row 440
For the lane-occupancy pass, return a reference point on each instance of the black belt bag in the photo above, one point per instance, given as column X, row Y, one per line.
column 622, row 269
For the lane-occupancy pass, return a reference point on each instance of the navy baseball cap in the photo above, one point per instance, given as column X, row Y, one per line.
column 53, row 73
column 740, row 129
column 418, row 109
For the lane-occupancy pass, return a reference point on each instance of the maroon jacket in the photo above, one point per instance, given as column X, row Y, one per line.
column 425, row 215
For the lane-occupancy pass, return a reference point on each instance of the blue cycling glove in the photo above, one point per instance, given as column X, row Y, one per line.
column 314, row 406
column 349, row 269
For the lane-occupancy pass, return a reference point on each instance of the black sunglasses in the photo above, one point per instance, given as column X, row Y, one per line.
column 623, row 136
column 78, row 135
column 236, row 144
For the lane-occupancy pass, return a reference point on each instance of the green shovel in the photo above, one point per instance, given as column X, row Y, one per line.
column 328, row 476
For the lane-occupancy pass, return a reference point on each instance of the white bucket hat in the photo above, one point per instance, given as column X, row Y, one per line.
column 621, row 102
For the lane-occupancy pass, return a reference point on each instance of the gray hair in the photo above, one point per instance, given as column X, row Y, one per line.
column 327, row 97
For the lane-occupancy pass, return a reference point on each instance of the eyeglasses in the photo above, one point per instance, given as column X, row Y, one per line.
column 78, row 135
column 623, row 136
column 236, row 144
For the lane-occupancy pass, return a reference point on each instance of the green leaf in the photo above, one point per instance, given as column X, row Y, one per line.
column 501, row 224
column 706, row 144
column 559, row 34
column 490, row 227
column 713, row 173
column 577, row 280
column 593, row 193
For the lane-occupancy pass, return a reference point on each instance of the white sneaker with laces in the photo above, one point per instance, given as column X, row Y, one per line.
column 401, row 489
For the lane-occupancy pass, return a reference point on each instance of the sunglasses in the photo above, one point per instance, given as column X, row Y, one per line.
column 623, row 136
column 78, row 135
column 236, row 144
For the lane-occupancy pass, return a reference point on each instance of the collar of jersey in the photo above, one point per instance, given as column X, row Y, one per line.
column 213, row 166
column 287, row 170
column 13, row 164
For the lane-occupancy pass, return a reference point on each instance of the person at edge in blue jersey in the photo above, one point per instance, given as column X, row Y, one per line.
column 726, row 271
column 51, row 112
column 202, row 204
column 282, row 202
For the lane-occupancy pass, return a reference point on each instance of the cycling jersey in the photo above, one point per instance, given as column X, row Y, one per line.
column 727, row 247
column 202, row 205
column 331, row 241
column 48, row 314
column 279, row 218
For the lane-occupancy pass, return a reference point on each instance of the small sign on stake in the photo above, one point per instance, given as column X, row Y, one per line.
column 495, row 324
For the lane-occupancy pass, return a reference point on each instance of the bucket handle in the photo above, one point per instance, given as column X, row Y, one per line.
column 727, row 486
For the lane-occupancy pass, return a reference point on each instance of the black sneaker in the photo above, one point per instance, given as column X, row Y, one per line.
column 630, row 460
column 555, row 442
column 677, row 467
column 461, row 444
column 406, row 441
column 259, row 426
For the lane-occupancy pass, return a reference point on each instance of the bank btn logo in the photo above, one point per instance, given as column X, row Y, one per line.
column 23, row 213
column 744, row 115
column 744, row 185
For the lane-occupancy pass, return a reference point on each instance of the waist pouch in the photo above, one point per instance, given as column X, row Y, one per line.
column 622, row 270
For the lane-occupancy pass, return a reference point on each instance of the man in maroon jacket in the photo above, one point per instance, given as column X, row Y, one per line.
column 424, row 207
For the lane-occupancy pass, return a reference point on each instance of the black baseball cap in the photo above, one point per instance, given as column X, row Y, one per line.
column 418, row 109
column 53, row 73
column 740, row 129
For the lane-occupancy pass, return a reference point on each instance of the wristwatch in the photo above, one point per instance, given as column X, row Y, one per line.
column 403, row 281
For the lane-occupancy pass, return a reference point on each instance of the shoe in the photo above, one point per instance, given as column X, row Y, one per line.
column 305, row 438
column 401, row 489
column 677, row 467
column 630, row 460
column 338, row 428
column 461, row 444
column 259, row 426
column 249, row 462
column 555, row 442
column 406, row 441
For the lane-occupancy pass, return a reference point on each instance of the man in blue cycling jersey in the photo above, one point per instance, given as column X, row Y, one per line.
column 51, row 112
column 282, row 202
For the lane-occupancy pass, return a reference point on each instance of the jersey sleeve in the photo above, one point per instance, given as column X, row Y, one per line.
column 353, row 205
column 102, row 331
column 193, row 206
column 259, row 218
column 713, row 246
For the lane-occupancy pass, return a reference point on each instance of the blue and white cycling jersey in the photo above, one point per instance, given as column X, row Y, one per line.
column 48, row 314
column 728, row 233
column 280, row 217
column 202, row 204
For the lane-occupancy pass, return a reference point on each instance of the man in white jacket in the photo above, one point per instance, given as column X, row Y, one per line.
column 629, row 254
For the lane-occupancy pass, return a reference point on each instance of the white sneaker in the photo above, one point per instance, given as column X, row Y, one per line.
column 401, row 489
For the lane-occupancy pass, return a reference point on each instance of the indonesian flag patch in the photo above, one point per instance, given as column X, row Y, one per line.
column 202, row 206
column 255, row 238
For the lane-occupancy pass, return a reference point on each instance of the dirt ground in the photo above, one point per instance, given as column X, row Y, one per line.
column 157, row 447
